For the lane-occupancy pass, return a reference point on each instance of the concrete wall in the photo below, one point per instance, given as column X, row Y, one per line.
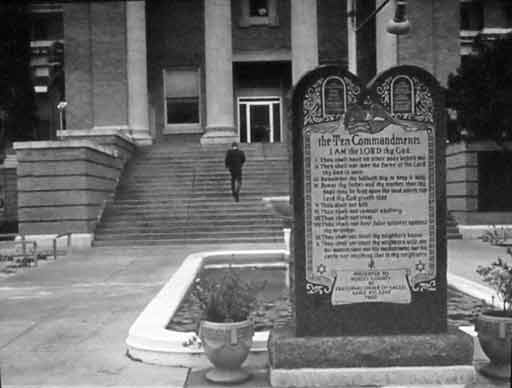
column 123, row 145
column 494, row 15
column 433, row 42
column 62, row 186
column 332, row 32
column 108, row 49
column 95, row 64
column 461, row 180
column 9, row 192
column 252, row 38
column 175, row 38
column 462, row 188
column 77, row 65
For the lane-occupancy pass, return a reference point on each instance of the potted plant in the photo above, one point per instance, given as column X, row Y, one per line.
column 495, row 327
column 226, row 329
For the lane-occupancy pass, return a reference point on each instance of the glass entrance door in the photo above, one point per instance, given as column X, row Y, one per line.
column 259, row 119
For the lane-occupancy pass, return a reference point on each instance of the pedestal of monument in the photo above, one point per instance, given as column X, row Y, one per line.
column 378, row 360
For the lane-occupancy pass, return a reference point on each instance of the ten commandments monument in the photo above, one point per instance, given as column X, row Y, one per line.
column 369, row 248
column 368, row 164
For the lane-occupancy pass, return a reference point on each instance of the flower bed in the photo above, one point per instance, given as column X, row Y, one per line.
column 274, row 307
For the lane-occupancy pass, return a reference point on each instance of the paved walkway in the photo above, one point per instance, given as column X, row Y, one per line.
column 65, row 322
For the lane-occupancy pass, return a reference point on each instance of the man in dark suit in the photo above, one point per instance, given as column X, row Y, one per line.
column 234, row 161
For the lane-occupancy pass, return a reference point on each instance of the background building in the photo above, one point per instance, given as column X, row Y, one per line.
column 217, row 71
column 223, row 68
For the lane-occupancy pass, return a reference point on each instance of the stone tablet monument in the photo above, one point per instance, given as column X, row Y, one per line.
column 369, row 245
column 369, row 204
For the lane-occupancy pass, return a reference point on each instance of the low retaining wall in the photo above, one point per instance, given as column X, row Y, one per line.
column 462, row 188
column 63, row 186
column 8, row 195
column 123, row 144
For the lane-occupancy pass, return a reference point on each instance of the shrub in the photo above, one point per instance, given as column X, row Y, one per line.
column 230, row 300
column 499, row 276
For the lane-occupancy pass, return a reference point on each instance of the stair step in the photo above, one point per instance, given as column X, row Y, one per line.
column 177, row 229
column 199, row 226
column 185, row 241
column 220, row 194
column 142, row 218
column 177, row 234
column 214, row 208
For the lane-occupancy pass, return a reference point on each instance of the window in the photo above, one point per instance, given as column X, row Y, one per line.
column 47, row 26
column 258, row 8
column 507, row 10
column 182, row 97
column 471, row 15
column 258, row 12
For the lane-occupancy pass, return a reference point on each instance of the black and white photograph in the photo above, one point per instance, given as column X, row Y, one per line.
column 256, row 193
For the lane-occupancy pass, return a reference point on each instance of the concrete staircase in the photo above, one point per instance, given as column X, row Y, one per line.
column 180, row 193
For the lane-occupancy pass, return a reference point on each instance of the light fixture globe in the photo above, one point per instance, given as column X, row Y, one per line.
column 399, row 25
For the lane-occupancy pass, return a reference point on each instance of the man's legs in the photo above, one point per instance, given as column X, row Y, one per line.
column 236, row 183
column 233, row 178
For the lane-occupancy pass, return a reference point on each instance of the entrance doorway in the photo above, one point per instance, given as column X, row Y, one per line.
column 259, row 119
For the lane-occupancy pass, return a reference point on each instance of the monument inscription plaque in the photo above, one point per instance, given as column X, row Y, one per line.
column 334, row 96
column 368, row 204
column 402, row 95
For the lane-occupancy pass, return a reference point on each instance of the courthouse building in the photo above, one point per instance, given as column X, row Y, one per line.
column 222, row 70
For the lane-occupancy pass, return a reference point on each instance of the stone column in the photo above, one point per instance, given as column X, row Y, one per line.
column 77, row 65
column 386, row 43
column 220, row 126
column 352, row 36
column 304, row 37
column 108, row 64
column 136, row 63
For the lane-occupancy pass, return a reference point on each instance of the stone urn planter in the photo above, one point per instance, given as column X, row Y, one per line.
column 227, row 345
column 494, row 328
column 495, row 335
column 226, row 329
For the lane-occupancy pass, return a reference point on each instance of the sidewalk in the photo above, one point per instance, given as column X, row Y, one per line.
column 65, row 322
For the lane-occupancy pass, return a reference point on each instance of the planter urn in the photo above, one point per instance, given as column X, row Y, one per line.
column 227, row 346
column 495, row 335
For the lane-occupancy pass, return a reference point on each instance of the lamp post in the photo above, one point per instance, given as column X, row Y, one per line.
column 398, row 25
column 60, row 107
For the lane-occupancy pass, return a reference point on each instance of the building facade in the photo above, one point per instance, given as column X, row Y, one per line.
column 223, row 71
column 224, row 68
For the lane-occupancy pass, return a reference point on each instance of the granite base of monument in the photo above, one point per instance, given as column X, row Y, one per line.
column 421, row 359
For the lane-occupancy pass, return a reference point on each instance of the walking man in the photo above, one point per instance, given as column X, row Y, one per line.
column 234, row 160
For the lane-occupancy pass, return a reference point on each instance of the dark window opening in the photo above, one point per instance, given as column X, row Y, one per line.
column 494, row 181
column 507, row 10
column 258, row 8
column 243, row 123
column 471, row 16
column 47, row 26
column 277, row 122
column 183, row 110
